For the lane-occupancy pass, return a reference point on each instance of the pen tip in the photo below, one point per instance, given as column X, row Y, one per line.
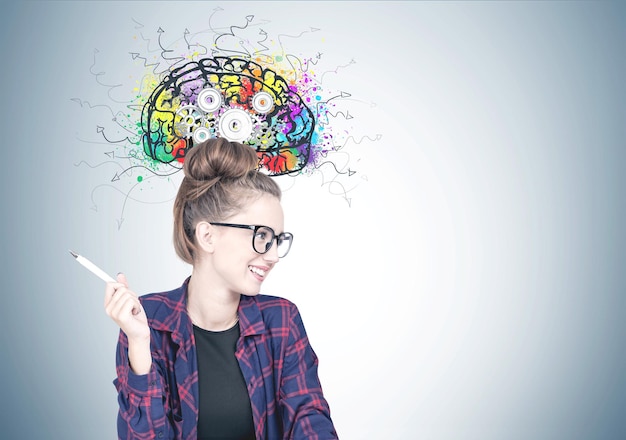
column 74, row 254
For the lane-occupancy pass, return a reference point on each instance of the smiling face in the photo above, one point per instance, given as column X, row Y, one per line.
column 237, row 268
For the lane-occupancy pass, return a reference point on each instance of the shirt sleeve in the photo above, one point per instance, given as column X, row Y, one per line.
column 141, row 400
column 305, row 412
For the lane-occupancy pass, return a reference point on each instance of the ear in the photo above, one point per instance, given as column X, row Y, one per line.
column 205, row 236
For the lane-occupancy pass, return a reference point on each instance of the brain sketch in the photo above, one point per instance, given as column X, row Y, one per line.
column 234, row 98
column 237, row 82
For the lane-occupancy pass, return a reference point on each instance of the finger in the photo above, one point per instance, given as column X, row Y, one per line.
column 111, row 290
column 120, row 295
column 137, row 309
column 122, row 309
column 122, row 279
column 113, row 301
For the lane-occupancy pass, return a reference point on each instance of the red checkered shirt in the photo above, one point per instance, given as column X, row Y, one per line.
column 275, row 357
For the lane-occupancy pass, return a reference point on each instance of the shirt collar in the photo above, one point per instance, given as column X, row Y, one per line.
column 250, row 318
column 171, row 315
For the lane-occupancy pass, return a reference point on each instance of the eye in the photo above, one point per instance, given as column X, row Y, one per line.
column 262, row 235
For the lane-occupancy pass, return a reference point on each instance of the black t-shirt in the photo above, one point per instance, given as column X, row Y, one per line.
column 224, row 408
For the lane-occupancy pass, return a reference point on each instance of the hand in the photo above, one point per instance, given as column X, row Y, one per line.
column 123, row 306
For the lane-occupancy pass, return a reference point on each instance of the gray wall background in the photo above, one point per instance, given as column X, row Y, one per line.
column 473, row 289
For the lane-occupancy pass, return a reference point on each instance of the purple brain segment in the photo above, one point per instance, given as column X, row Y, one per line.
column 233, row 98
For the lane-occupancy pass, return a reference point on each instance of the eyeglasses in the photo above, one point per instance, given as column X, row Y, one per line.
column 263, row 238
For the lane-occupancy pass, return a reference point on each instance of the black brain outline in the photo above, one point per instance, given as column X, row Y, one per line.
column 290, row 121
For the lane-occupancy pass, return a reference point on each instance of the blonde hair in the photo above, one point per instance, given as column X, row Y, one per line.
column 221, row 177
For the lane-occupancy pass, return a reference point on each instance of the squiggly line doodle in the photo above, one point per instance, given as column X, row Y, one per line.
column 240, row 89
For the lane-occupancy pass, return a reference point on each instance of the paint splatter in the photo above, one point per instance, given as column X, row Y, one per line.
column 235, row 98
column 240, row 84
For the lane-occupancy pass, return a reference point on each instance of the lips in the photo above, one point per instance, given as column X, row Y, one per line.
column 258, row 271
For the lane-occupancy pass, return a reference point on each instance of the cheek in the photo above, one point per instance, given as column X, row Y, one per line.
column 235, row 259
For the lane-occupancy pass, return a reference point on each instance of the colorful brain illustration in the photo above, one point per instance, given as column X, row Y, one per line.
column 233, row 98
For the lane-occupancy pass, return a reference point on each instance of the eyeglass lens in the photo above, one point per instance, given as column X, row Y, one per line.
column 264, row 239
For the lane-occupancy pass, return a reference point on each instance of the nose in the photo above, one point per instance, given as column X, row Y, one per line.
column 271, row 256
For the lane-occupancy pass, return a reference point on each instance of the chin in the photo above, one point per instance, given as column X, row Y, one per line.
column 251, row 293
column 250, row 289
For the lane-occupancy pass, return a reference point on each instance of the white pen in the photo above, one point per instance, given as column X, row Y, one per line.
column 93, row 268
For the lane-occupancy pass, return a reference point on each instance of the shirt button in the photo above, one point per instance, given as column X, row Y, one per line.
column 153, row 383
column 160, row 434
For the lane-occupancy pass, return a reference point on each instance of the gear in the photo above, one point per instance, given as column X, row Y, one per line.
column 263, row 137
column 201, row 134
column 235, row 125
column 186, row 120
column 209, row 100
column 262, row 102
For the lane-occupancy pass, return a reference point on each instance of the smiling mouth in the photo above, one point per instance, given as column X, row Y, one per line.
column 256, row 270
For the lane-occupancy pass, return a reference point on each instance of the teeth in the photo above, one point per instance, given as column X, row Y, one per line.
column 257, row 271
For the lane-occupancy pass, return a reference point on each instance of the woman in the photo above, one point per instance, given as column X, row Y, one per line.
column 213, row 359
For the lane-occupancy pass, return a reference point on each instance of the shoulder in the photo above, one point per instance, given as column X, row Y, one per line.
column 274, row 306
column 278, row 315
column 160, row 306
column 271, row 302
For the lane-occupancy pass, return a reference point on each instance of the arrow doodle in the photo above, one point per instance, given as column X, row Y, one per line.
column 323, row 125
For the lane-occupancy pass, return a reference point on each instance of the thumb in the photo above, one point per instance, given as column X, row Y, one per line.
column 121, row 278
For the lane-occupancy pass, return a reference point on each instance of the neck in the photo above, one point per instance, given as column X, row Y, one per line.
column 208, row 307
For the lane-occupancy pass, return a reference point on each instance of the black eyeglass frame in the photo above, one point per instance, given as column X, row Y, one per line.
column 255, row 229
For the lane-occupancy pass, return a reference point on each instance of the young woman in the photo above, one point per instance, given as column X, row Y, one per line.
column 214, row 359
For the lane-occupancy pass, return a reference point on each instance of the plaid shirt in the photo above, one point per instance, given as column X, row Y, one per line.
column 274, row 355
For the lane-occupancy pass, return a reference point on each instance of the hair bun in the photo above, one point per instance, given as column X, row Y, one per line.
column 220, row 180
column 216, row 159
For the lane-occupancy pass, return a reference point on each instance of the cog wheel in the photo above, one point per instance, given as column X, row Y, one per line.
column 186, row 120
column 209, row 100
column 201, row 134
column 235, row 125
column 262, row 102
column 263, row 136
